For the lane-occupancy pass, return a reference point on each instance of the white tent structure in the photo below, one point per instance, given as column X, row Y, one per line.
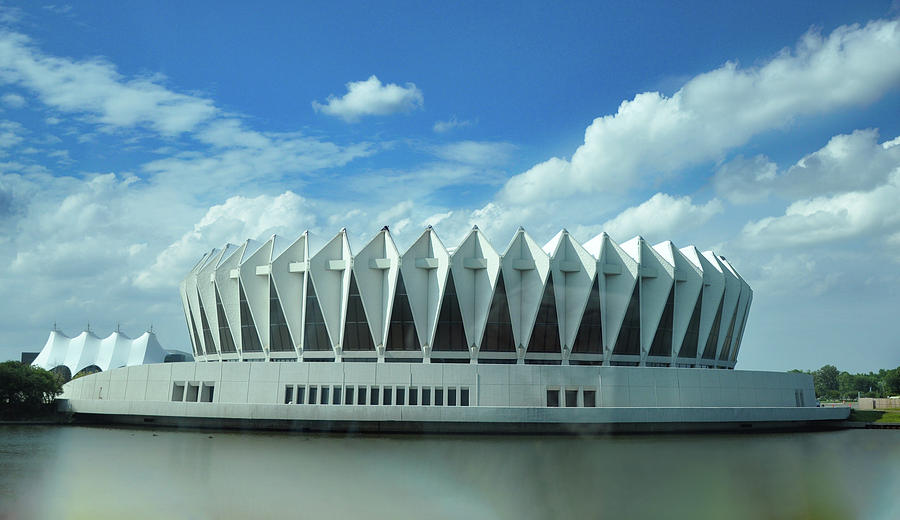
column 600, row 303
column 86, row 349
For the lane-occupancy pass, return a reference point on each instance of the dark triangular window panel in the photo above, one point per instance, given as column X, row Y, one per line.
column 589, row 339
column 662, row 339
column 226, row 340
column 710, row 351
column 207, row 335
column 692, row 336
column 498, row 333
column 315, row 333
column 545, row 334
column 279, row 335
column 726, row 347
column 450, row 334
column 402, row 334
column 629, row 340
column 357, row 336
column 249, row 336
column 198, row 348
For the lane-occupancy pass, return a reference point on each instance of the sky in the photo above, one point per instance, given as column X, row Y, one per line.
column 136, row 136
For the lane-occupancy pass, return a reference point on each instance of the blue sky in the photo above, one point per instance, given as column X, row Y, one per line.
column 135, row 136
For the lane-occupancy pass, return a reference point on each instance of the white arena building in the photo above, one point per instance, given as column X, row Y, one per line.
column 568, row 336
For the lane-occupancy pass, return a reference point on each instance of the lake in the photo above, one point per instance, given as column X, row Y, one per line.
column 97, row 472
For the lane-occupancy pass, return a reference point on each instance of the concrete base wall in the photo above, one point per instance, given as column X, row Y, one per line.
column 511, row 397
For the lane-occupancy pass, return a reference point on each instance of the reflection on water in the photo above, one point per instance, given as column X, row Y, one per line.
column 78, row 472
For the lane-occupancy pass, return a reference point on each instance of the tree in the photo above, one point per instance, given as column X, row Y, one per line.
column 826, row 381
column 892, row 382
column 25, row 389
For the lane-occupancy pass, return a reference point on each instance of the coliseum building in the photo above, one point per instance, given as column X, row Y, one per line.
column 567, row 337
column 565, row 303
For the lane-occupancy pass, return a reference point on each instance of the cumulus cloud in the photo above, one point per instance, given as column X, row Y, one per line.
column 10, row 133
column 484, row 153
column 371, row 98
column 745, row 180
column 13, row 100
column 659, row 216
column 855, row 161
column 235, row 220
column 653, row 134
column 826, row 219
column 450, row 124
column 93, row 88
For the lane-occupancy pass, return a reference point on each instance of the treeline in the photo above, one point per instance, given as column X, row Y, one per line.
column 834, row 384
column 26, row 391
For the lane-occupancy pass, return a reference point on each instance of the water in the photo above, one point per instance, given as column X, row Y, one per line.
column 81, row 472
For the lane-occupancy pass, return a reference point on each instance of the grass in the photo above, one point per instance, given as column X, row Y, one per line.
column 875, row 416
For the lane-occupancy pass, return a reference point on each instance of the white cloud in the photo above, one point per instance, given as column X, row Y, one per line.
column 371, row 98
column 847, row 162
column 745, row 180
column 95, row 89
column 479, row 153
column 450, row 124
column 13, row 100
column 829, row 218
column 10, row 133
column 235, row 220
column 719, row 110
column 658, row 217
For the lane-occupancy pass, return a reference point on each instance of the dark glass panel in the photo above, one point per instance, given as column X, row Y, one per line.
column 590, row 398
column 315, row 334
column 498, row 334
column 450, row 334
column 357, row 335
column 726, row 347
column 629, row 340
column 545, row 335
column 662, row 340
column 279, row 336
column 571, row 398
column 207, row 335
column 226, row 340
column 198, row 350
column 589, row 339
column 249, row 336
column 692, row 336
column 710, row 351
column 553, row 398
column 402, row 333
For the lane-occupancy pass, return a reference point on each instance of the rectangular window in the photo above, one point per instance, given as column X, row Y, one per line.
column 401, row 396
column 387, row 395
column 426, row 396
column 288, row 394
column 313, row 393
column 438, row 396
column 193, row 392
column 301, row 394
column 413, row 396
column 206, row 392
column 571, row 398
column 349, row 394
column 325, row 390
column 336, row 395
column 361, row 397
column 178, row 392
column 373, row 395
column 451, row 397
column 464, row 397
column 553, row 398
column 590, row 398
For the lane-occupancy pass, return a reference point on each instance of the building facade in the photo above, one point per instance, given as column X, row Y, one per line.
column 566, row 303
